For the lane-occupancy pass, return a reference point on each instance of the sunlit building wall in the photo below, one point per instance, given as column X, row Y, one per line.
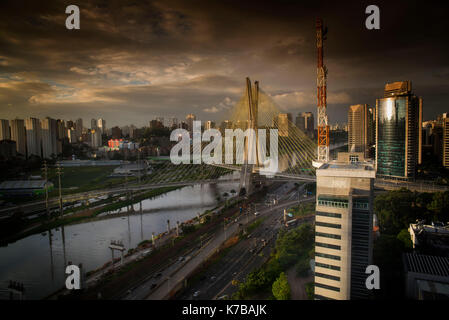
column 398, row 132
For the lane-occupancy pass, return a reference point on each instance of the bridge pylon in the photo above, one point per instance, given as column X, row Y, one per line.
column 246, row 176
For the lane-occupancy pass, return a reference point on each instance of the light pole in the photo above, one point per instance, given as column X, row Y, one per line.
column 45, row 171
column 59, row 172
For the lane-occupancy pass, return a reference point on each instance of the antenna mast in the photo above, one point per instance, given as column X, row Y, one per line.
column 323, row 126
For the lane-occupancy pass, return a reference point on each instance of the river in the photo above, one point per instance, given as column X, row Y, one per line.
column 38, row 260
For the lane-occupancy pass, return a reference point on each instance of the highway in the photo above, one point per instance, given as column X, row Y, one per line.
column 157, row 288
column 247, row 255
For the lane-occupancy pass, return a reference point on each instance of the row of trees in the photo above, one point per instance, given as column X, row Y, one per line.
column 397, row 209
column 292, row 248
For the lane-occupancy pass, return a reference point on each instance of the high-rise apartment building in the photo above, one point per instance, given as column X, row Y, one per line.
column 79, row 128
column 96, row 141
column 343, row 227
column 209, row 125
column 305, row 122
column 33, row 136
column 93, row 124
column 358, row 129
column 101, row 124
column 116, row 133
column 398, row 132
column 4, row 130
column 18, row 135
column 189, row 120
column 283, row 123
column 49, row 133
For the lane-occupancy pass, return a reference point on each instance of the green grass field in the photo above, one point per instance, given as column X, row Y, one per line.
column 81, row 176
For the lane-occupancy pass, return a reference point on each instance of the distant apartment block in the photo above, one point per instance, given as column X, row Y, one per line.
column 358, row 128
column 101, row 124
column 189, row 120
column 282, row 121
column 18, row 135
column 305, row 122
column 4, row 130
column 209, row 125
column 34, row 137
column 49, row 131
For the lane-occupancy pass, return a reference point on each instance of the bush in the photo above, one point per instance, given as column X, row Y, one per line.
column 404, row 237
column 281, row 288
column 302, row 268
column 310, row 291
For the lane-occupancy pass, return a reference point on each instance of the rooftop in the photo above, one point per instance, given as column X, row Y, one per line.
column 425, row 264
column 23, row 184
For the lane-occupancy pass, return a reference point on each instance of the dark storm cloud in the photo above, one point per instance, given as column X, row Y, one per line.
column 133, row 60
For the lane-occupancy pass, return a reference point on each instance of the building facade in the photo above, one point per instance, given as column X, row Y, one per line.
column 398, row 132
column 34, row 137
column 283, row 123
column 102, row 125
column 49, row 131
column 305, row 122
column 343, row 227
column 18, row 135
column 358, row 128
column 4, row 130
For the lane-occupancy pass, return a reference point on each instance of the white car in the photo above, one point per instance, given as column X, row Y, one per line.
column 256, row 213
column 196, row 294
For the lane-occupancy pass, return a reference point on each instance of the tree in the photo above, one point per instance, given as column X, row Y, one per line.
column 440, row 205
column 396, row 209
column 281, row 288
column 404, row 237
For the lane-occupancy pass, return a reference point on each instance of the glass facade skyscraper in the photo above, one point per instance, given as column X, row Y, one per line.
column 398, row 132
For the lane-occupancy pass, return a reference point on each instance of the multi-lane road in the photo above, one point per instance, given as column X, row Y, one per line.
column 160, row 284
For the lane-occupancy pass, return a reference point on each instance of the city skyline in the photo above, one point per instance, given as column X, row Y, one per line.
column 193, row 58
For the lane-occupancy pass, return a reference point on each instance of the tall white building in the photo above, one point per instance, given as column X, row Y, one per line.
column 101, row 124
column 343, row 227
column 209, row 125
column 34, row 137
column 18, row 135
column 96, row 138
column 71, row 135
column 49, row 131
column 189, row 119
column 4, row 130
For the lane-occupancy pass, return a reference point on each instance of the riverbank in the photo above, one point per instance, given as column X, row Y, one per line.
column 84, row 214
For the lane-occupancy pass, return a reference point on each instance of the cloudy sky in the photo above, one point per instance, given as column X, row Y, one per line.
column 132, row 61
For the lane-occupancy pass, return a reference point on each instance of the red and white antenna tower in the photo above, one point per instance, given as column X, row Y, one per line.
column 323, row 126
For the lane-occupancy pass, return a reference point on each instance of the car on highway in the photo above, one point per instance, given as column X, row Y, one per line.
column 256, row 213
column 196, row 294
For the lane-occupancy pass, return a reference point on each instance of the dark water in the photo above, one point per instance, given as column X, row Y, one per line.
column 38, row 261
